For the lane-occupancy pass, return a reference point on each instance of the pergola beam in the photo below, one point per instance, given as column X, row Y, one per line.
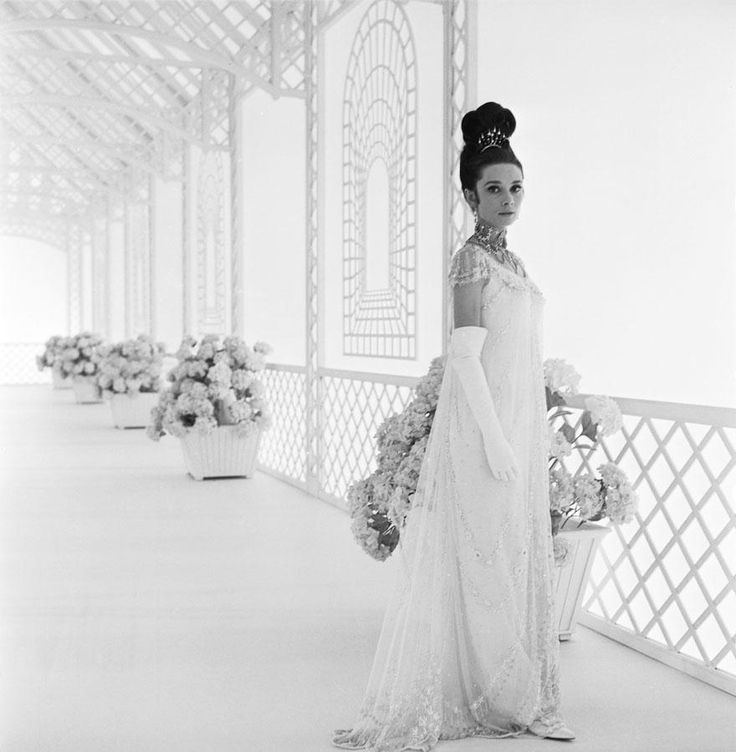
column 194, row 53
column 67, row 102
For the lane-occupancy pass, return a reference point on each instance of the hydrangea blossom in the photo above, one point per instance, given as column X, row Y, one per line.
column 560, row 489
column 214, row 383
column 586, row 490
column 605, row 413
column 380, row 503
column 79, row 356
column 51, row 355
column 131, row 366
column 560, row 376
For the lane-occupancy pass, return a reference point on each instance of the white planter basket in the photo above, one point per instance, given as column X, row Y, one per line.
column 572, row 576
column 132, row 410
column 60, row 381
column 220, row 454
column 86, row 390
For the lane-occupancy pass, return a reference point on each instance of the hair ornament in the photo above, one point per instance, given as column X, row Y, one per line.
column 493, row 137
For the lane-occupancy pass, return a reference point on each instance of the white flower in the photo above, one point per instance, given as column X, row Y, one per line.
column 240, row 411
column 241, row 379
column 559, row 446
column 220, row 373
column 560, row 376
column 605, row 413
column 560, row 489
column 587, row 495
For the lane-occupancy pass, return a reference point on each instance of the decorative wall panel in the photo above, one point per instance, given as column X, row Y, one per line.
column 211, row 250
column 379, row 186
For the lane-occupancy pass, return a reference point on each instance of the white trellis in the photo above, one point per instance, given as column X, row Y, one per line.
column 98, row 97
column 380, row 137
column 100, row 100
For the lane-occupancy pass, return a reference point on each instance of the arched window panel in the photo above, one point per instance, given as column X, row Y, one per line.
column 379, row 187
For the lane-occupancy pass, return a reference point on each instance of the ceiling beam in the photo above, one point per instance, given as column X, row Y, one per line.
column 195, row 54
column 70, row 102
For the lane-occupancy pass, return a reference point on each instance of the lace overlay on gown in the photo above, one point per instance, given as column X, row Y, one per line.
column 469, row 643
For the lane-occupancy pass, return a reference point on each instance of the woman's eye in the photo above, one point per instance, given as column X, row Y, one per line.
column 517, row 188
column 493, row 189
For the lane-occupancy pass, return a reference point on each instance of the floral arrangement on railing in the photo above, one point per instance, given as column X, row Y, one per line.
column 587, row 497
column 50, row 358
column 213, row 384
column 79, row 356
column 379, row 503
column 131, row 366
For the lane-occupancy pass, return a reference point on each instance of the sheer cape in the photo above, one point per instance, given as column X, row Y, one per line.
column 469, row 643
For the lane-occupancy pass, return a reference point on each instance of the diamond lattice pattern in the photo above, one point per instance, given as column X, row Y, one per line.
column 670, row 575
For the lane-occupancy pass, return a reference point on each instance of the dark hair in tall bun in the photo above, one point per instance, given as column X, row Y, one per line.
column 486, row 132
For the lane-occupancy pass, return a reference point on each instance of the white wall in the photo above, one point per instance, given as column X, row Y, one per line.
column 33, row 290
column 274, row 225
column 627, row 133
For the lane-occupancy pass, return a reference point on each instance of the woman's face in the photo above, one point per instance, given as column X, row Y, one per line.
column 498, row 194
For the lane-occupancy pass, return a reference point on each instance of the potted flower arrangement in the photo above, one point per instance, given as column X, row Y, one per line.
column 129, row 375
column 79, row 357
column 378, row 504
column 50, row 358
column 215, row 406
column 586, row 498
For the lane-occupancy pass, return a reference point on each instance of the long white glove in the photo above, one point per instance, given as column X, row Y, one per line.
column 465, row 349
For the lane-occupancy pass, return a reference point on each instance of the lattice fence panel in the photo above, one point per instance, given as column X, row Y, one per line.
column 670, row 575
column 283, row 449
column 18, row 363
column 354, row 407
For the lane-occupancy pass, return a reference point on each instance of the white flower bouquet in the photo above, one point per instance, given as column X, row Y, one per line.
column 131, row 366
column 79, row 356
column 587, row 497
column 51, row 356
column 213, row 384
column 379, row 503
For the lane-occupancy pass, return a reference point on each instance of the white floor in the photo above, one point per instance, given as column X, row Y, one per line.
column 144, row 611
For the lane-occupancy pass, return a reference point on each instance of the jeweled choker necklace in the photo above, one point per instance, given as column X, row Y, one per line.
column 494, row 239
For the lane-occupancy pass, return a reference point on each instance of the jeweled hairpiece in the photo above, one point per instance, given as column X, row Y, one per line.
column 492, row 137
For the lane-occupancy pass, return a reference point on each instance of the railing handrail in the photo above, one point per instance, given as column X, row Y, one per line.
column 710, row 415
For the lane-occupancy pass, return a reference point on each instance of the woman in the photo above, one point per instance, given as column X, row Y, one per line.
column 469, row 644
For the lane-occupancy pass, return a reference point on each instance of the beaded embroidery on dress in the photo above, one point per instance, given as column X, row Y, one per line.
column 469, row 643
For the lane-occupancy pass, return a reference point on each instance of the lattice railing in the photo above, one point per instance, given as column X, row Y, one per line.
column 282, row 451
column 18, row 363
column 354, row 406
column 664, row 584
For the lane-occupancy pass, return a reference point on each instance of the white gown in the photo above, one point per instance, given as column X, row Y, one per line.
column 469, row 644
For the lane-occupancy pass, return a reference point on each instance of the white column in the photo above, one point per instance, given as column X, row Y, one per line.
column 127, row 267
column 459, row 17
column 186, row 243
column 153, row 328
column 314, row 419
column 236, row 206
